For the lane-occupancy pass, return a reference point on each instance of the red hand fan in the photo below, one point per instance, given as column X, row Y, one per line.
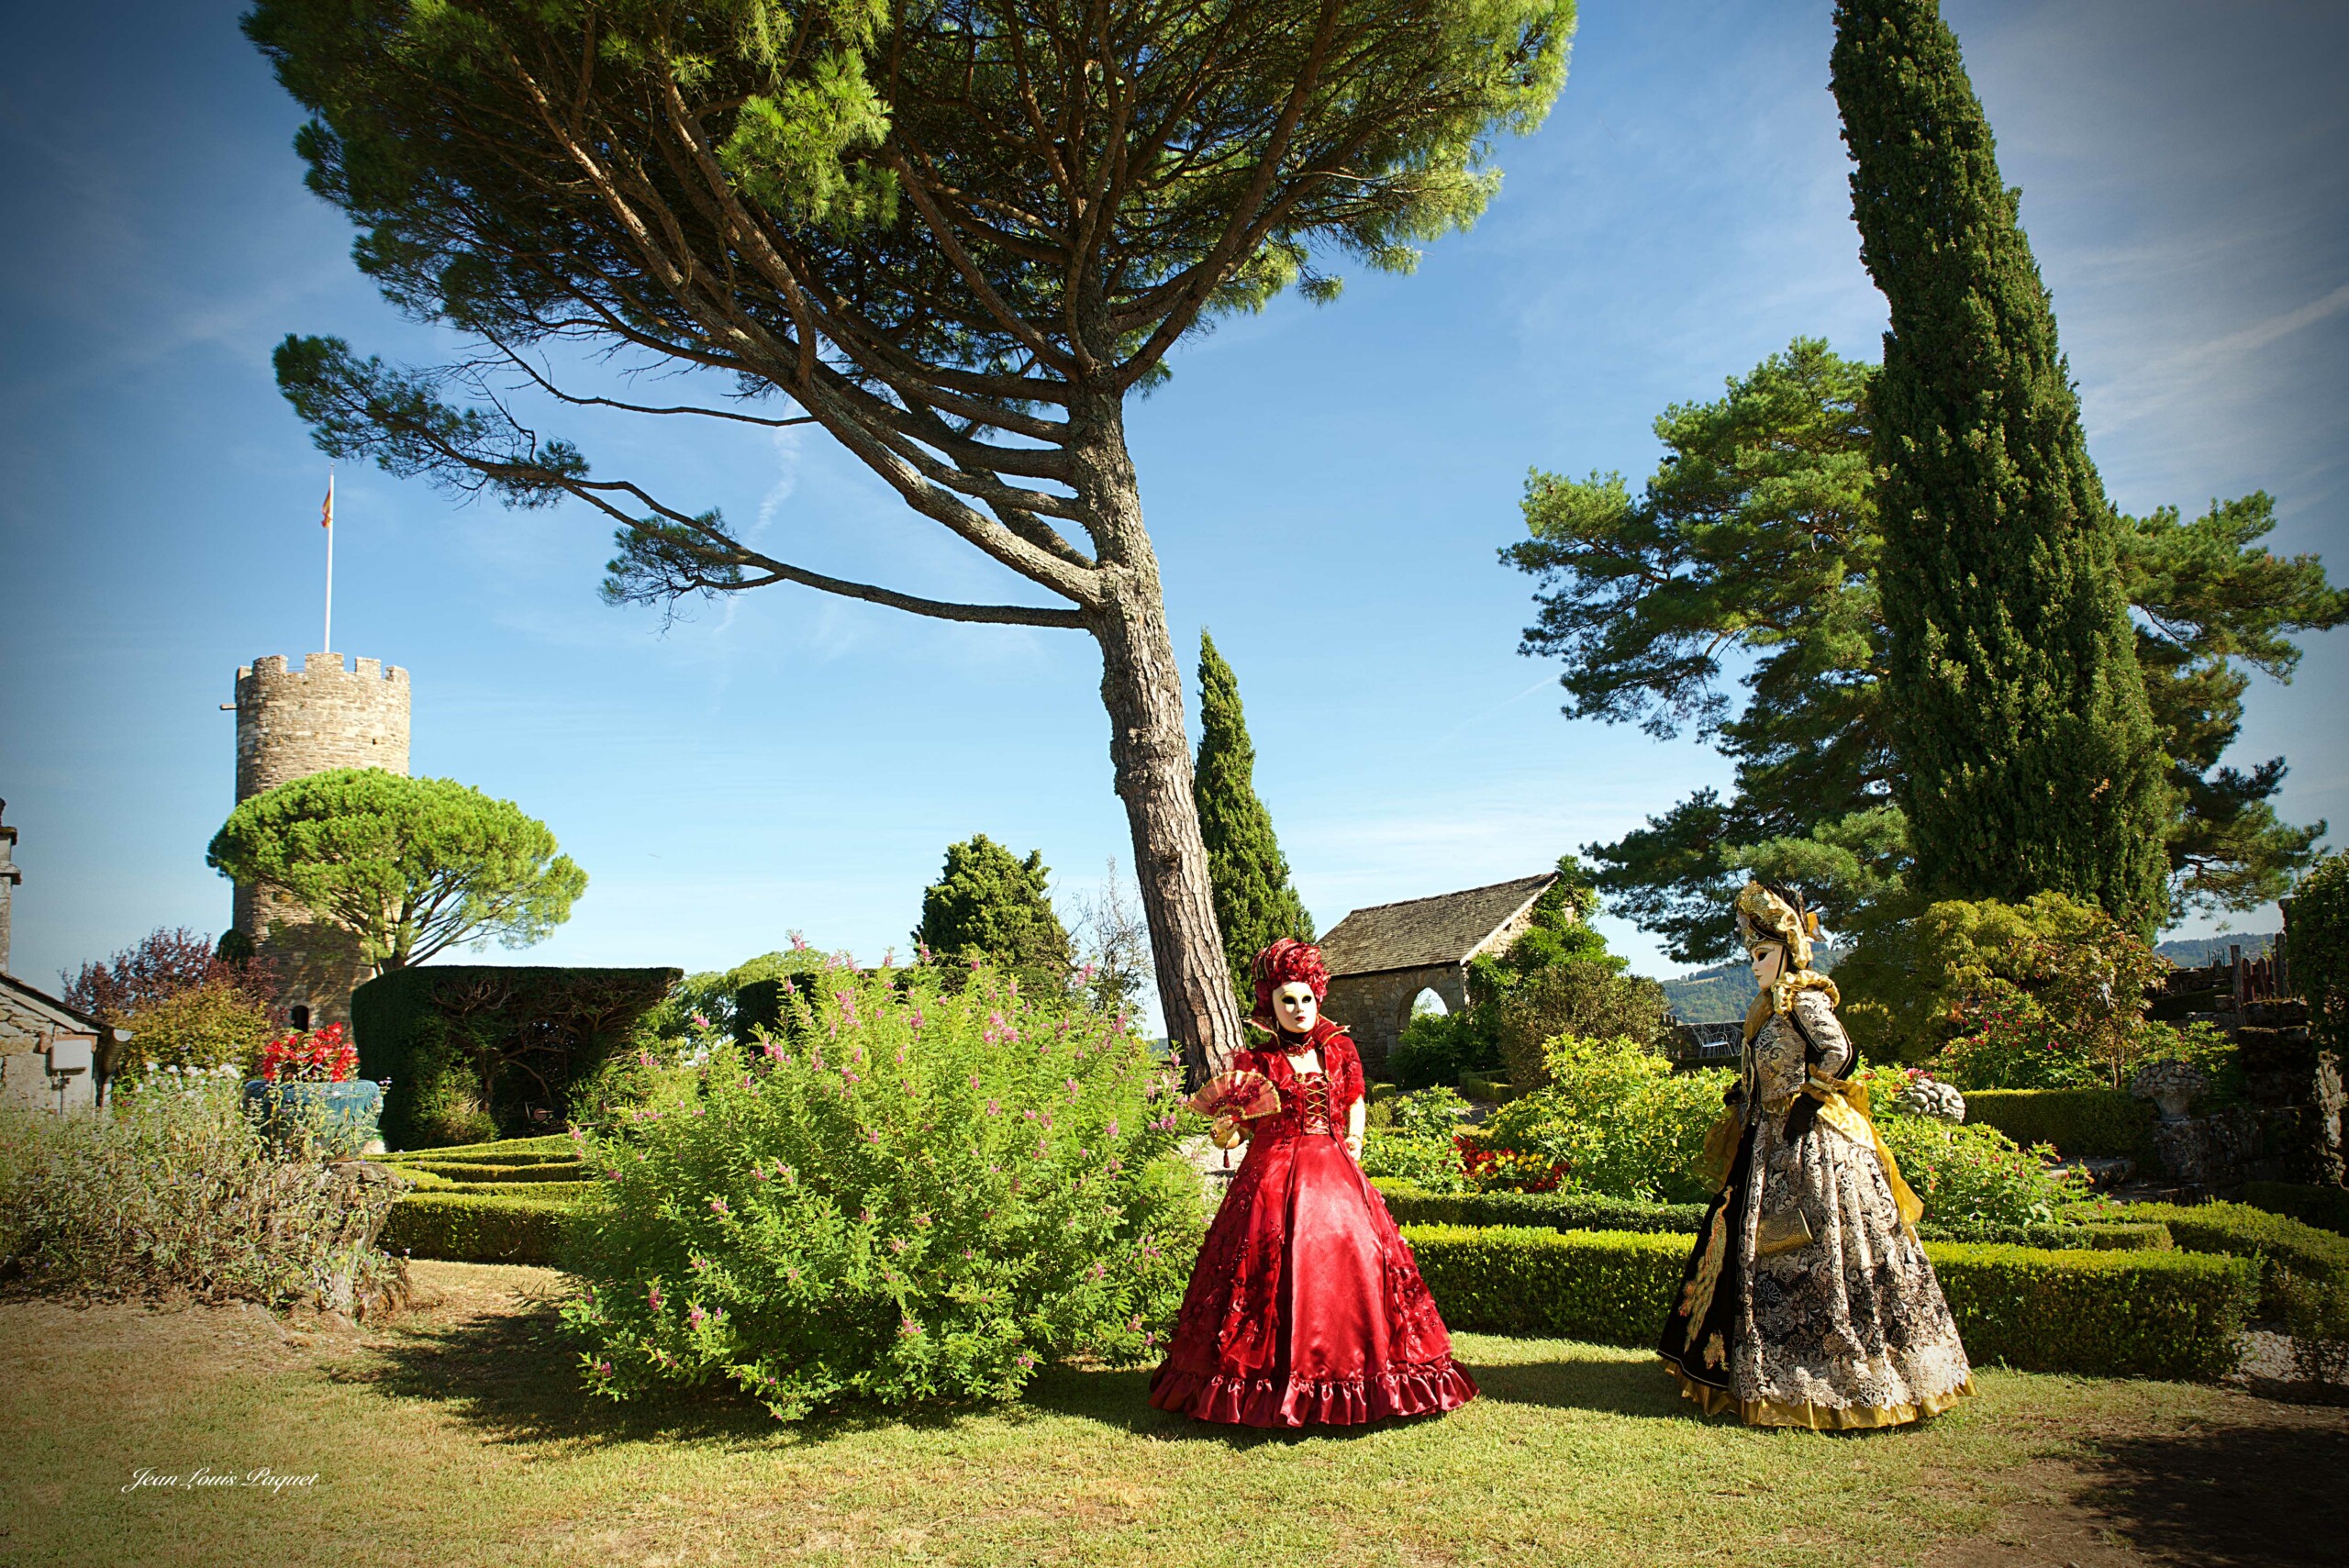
column 1242, row 1095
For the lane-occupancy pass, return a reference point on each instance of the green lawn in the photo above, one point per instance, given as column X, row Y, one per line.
column 456, row 1437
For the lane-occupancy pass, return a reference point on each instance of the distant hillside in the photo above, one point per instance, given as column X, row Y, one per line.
column 1721, row 994
column 1716, row 996
column 2194, row 952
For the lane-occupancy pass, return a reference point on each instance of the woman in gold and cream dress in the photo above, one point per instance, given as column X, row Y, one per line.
column 1807, row 1301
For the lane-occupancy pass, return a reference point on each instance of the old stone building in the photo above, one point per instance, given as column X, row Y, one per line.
column 289, row 724
column 1382, row 958
column 38, row 1031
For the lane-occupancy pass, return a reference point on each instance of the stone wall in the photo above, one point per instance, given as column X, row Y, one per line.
column 291, row 723
column 1375, row 1007
column 26, row 1036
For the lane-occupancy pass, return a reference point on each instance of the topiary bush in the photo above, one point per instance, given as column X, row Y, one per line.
column 2285, row 1248
column 475, row 1227
column 934, row 1195
column 470, row 1048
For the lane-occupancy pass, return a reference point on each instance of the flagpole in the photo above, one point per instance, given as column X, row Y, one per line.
column 329, row 645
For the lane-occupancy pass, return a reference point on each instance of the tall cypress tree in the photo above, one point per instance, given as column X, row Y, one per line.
column 1254, row 904
column 2014, row 701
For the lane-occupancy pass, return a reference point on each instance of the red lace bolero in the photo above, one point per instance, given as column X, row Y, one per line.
column 1316, row 1103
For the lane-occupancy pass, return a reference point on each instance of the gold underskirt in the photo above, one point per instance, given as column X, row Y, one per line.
column 1818, row 1417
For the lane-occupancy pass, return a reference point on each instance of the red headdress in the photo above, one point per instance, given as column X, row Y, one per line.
column 1286, row 962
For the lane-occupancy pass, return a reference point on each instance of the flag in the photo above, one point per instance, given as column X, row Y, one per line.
column 325, row 516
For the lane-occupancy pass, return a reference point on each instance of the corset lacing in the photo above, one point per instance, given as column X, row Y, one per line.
column 1313, row 1097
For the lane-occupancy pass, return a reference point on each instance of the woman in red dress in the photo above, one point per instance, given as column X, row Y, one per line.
column 1306, row 1305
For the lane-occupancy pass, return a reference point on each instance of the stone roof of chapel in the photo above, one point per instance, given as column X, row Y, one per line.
column 1450, row 928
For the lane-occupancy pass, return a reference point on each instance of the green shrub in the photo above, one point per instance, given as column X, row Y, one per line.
column 1432, row 1163
column 177, row 1189
column 1966, row 1174
column 937, row 1194
column 1430, row 1113
column 2316, row 948
column 474, row 1227
column 1411, row 1205
column 2145, row 1313
column 2079, row 1123
column 2318, row 1320
column 1436, row 1048
column 1906, row 982
column 219, row 1021
column 470, row 1048
column 2327, row 1209
column 1583, row 996
column 1614, row 1117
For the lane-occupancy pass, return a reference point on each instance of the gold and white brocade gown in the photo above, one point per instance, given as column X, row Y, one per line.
column 1808, row 1300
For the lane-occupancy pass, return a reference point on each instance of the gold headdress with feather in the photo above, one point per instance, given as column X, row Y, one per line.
column 1766, row 913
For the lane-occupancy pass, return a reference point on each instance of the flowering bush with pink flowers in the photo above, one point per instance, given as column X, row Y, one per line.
column 907, row 1196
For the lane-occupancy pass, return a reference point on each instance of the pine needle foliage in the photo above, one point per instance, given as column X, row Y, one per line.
column 1255, row 903
column 2028, row 756
column 989, row 905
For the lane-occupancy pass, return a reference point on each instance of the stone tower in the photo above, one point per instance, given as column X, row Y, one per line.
column 289, row 724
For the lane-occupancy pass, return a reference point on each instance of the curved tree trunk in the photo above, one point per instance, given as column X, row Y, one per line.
column 1141, row 687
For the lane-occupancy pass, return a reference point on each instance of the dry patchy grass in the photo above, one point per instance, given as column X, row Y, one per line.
column 458, row 1436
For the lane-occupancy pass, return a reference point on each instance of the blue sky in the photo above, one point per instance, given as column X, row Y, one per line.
column 1326, row 487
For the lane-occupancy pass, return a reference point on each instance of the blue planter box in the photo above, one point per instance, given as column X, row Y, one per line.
column 347, row 1115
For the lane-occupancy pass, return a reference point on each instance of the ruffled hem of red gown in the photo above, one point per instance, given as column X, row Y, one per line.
column 1300, row 1401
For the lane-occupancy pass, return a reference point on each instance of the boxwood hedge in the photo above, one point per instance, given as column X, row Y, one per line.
column 2142, row 1313
column 2094, row 1123
column 2327, row 1209
column 1412, row 1204
column 476, row 1227
column 2285, row 1248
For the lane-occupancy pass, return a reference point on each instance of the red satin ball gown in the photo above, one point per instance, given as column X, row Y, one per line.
column 1306, row 1305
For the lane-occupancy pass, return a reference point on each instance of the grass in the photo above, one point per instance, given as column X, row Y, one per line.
column 457, row 1436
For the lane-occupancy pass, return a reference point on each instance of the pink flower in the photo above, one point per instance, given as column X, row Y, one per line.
column 653, row 1298
column 718, row 1206
column 695, row 1314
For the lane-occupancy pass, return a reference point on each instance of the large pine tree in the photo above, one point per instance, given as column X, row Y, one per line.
column 1254, row 904
column 2028, row 760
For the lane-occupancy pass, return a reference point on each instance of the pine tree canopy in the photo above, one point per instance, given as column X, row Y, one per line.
column 1749, row 559
column 408, row 866
column 2029, row 760
column 988, row 904
column 1255, row 902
